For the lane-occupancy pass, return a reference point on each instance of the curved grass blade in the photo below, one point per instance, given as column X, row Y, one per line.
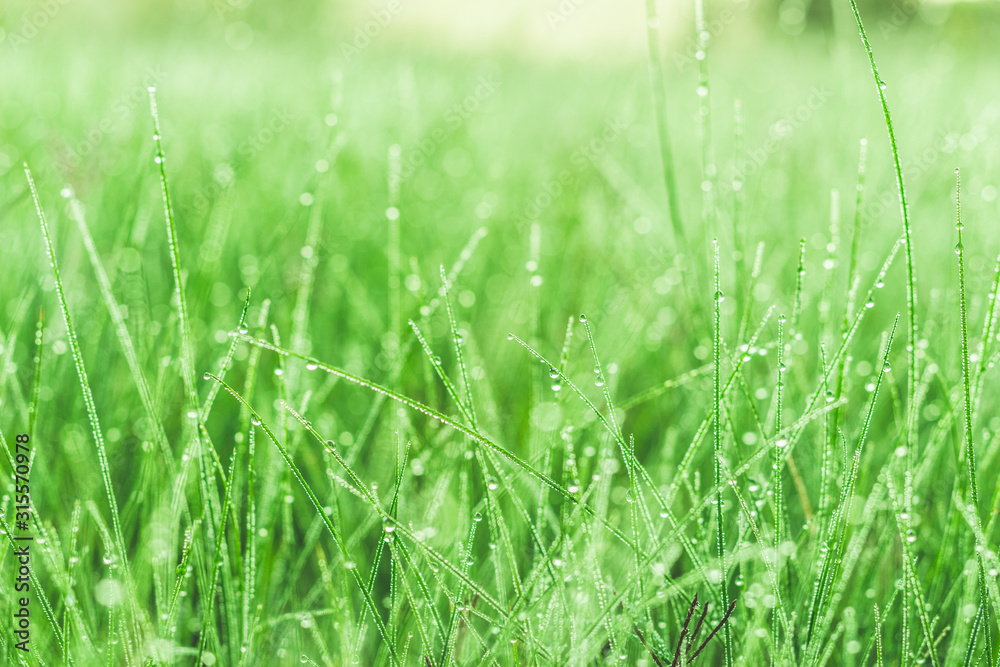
column 88, row 398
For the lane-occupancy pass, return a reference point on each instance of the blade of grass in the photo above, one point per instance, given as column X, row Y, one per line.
column 970, row 450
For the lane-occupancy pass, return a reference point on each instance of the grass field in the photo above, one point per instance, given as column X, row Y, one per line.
column 400, row 351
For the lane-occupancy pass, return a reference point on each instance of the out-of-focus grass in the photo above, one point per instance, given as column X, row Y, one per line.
column 272, row 139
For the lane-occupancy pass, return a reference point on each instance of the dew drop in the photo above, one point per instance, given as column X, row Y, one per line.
column 720, row 297
column 583, row 318
column 870, row 303
column 554, row 373
column 311, row 367
column 958, row 248
column 477, row 517
column 510, row 336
